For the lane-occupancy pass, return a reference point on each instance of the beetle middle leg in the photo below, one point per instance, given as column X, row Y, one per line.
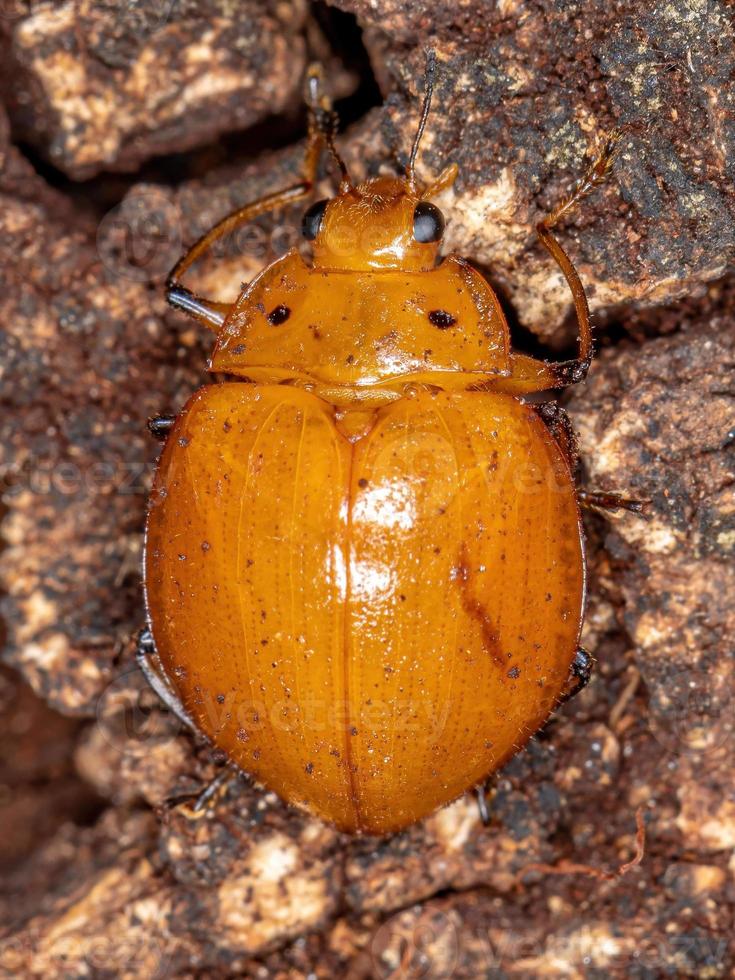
column 561, row 428
column 560, row 425
column 609, row 500
column 322, row 128
column 146, row 656
column 159, row 426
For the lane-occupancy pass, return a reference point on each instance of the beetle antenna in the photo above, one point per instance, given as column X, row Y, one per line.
column 324, row 120
column 428, row 92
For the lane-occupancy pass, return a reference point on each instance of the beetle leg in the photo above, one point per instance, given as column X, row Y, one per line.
column 160, row 425
column 579, row 674
column 214, row 788
column 571, row 372
column 322, row 125
column 196, row 805
column 607, row 500
column 560, row 426
column 147, row 658
column 482, row 806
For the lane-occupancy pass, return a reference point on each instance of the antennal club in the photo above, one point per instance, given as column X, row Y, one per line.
column 429, row 75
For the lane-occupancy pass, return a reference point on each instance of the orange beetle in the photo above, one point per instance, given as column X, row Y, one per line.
column 364, row 565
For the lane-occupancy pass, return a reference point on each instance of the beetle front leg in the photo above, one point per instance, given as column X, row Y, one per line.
column 322, row 127
column 572, row 372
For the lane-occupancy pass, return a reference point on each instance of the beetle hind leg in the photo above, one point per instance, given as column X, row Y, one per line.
column 580, row 673
column 146, row 656
column 198, row 804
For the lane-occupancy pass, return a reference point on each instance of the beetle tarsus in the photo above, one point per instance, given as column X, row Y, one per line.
column 211, row 314
column 159, row 426
column 213, row 789
column 608, row 500
column 572, row 372
column 580, row 673
column 482, row 806
column 196, row 805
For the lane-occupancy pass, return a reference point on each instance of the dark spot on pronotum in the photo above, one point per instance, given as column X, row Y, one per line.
column 362, row 482
column 514, row 672
column 278, row 315
column 442, row 319
column 309, row 768
column 238, row 349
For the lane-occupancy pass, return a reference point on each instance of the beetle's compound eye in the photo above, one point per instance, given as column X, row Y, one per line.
column 312, row 220
column 428, row 223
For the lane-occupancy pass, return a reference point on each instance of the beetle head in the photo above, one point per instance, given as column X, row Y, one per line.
column 385, row 222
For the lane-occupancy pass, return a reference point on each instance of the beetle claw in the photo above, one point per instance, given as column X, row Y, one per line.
column 482, row 806
column 159, row 426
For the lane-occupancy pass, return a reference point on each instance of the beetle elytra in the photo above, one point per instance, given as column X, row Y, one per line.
column 364, row 566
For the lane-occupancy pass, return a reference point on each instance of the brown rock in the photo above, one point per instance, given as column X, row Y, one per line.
column 90, row 358
column 256, row 889
column 524, row 90
column 104, row 86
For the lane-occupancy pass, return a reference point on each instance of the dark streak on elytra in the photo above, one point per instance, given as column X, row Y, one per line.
column 474, row 608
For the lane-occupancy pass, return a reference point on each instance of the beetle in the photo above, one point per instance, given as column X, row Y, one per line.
column 364, row 562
